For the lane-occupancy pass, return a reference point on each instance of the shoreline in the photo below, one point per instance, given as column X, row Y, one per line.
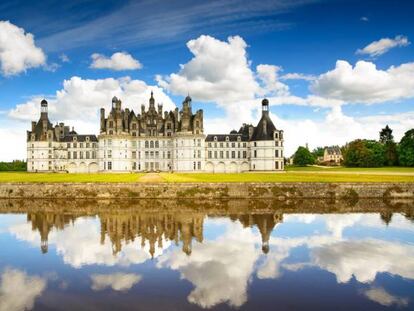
column 230, row 190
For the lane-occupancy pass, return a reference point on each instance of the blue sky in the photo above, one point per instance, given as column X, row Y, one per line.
column 232, row 54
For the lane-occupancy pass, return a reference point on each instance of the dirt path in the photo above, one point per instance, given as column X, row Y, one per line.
column 151, row 178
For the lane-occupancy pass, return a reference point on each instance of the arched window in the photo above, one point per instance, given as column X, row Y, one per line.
column 156, row 144
column 151, row 144
column 146, row 144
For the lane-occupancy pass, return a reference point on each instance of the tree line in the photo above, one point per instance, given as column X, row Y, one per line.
column 367, row 153
column 16, row 165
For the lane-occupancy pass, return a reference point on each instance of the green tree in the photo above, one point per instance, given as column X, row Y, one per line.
column 390, row 147
column 318, row 152
column 303, row 157
column 16, row 165
column 406, row 149
column 363, row 153
column 386, row 135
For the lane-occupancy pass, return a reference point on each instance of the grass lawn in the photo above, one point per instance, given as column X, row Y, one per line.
column 284, row 177
column 310, row 174
column 62, row 178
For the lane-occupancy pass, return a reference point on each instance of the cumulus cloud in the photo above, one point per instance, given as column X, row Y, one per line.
column 382, row 46
column 297, row 76
column 116, row 281
column 364, row 83
column 268, row 74
column 212, row 269
column 354, row 258
column 64, row 58
column 18, row 51
column 18, row 290
column 118, row 61
column 219, row 71
column 381, row 296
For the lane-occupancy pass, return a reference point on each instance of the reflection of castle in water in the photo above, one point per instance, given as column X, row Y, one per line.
column 152, row 228
column 44, row 222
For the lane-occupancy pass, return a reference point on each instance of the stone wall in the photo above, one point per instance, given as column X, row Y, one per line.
column 280, row 191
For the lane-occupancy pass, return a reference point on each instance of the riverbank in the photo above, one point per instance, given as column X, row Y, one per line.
column 279, row 191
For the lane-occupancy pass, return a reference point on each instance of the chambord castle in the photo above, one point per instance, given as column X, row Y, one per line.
column 153, row 140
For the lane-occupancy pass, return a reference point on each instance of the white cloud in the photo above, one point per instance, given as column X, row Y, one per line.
column 18, row 291
column 118, row 61
column 364, row 83
column 364, row 19
column 382, row 46
column 116, row 281
column 18, row 51
column 64, row 58
column 219, row 72
column 297, row 76
column 212, row 269
column 381, row 296
column 354, row 258
column 269, row 75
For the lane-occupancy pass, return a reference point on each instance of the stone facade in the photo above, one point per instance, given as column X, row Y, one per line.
column 154, row 140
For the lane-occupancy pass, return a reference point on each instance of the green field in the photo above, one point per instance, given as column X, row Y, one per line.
column 293, row 174
column 390, row 169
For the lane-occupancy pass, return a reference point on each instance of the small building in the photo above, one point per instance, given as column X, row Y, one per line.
column 332, row 155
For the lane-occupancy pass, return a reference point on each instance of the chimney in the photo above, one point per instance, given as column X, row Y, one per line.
column 33, row 125
column 102, row 119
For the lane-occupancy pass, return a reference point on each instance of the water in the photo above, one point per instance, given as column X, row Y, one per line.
column 218, row 255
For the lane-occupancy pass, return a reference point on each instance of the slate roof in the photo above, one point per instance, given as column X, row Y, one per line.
column 264, row 129
column 333, row 150
column 80, row 138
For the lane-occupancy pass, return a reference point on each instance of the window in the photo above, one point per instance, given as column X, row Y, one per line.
column 209, row 154
column 197, row 123
column 75, row 155
column 244, row 154
column 255, row 144
column 227, row 154
column 68, row 154
column 215, row 154
column 109, row 153
column 233, row 154
column 93, row 155
column 221, row 145
column 80, row 155
column 109, row 142
column 233, row 145
column 109, row 165
column 134, row 126
column 80, row 145
column 75, row 145
column 194, row 166
column 134, row 154
column 255, row 154
column 146, row 144
column 221, row 154
column 151, row 144
column 199, row 165
column 215, row 138
column 87, row 154
column 157, row 144
column 227, row 138
column 111, row 124
column 276, row 153
column 277, row 165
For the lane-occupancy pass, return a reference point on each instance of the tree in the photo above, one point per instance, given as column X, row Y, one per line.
column 386, row 135
column 387, row 139
column 16, row 165
column 303, row 157
column 406, row 149
column 318, row 152
column 364, row 153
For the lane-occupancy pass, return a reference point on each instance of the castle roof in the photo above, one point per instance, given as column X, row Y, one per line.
column 222, row 137
column 264, row 129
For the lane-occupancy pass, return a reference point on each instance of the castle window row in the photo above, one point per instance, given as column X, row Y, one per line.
column 227, row 145
column 227, row 155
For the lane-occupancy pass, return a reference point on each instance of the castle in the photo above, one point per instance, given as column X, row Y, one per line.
column 153, row 140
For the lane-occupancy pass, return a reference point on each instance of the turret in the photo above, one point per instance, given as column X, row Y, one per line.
column 265, row 107
column 33, row 126
column 43, row 109
column 152, row 101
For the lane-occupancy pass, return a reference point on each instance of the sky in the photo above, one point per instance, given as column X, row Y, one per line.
column 333, row 71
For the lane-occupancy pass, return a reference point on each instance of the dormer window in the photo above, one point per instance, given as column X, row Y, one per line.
column 75, row 138
column 276, row 135
column 87, row 138
column 238, row 138
column 227, row 138
column 215, row 138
